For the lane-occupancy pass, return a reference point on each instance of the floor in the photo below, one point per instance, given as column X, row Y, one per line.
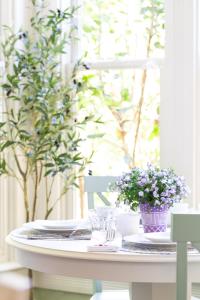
column 44, row 294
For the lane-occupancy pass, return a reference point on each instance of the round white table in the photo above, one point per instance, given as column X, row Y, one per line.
column 153, row 276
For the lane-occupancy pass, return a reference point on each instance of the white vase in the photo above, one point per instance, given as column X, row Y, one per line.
column 128, row 223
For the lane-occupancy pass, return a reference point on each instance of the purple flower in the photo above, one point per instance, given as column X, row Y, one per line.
column 140, row 183
column 172, row 191
column 155, row 194
column 144, row 180
column 155, row 186
column 54, row 121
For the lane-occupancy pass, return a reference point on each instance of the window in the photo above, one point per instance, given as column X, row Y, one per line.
column 124, row 51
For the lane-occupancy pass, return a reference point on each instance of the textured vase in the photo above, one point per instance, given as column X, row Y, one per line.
column 154, row 218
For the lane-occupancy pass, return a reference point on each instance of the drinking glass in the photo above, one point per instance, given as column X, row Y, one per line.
column 101, row 220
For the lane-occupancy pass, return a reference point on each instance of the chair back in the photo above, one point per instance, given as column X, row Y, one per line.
column 97, row 185
column 184, row 229
column 14, row 287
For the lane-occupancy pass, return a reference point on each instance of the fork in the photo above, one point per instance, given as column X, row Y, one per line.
column 110, row 235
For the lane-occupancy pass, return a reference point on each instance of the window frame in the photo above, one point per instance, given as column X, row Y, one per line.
column 180, row 91
column 145, row 63
column 180, row 142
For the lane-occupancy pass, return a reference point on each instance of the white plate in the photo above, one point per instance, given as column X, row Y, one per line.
column 140, row 239
column 158, row 237
column 58, row 224
column 45, row 225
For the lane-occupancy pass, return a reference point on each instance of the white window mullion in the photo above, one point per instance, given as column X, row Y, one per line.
column 141, row 64
column 76, row 37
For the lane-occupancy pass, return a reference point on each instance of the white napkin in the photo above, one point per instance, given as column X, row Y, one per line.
column 103, row 248
column 97, row 245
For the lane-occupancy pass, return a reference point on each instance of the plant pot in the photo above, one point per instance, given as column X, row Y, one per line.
column 128, row 223
column 154, row 218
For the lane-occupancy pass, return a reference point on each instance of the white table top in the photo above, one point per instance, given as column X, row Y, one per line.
column 78, row 249
column 71, row 258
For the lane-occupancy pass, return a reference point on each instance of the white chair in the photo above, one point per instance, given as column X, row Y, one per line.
column 185, row 228
column 98, row 185
column 14, row 287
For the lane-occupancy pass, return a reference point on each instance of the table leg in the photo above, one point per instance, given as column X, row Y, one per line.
column 153, row 291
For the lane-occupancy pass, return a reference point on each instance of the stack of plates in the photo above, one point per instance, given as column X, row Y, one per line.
column 55, row 225
column 54, row 229
column 153, row 239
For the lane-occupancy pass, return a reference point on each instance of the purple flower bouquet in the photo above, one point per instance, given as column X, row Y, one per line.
column 153, row 190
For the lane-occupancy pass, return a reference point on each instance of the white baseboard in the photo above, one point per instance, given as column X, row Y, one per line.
column 69, row 284
column 54, row 282
column 196, row 290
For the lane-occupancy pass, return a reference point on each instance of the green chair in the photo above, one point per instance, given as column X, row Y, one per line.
column 99, row 185
column 184, row 230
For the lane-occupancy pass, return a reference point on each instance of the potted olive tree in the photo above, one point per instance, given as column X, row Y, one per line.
column 40, row 132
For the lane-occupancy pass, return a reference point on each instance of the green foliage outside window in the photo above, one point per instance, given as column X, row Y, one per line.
column 128, row 98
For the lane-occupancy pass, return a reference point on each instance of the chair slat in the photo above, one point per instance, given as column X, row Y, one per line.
column 95, row 184
column 181, row 271
column 184, row 226
column 103, row 199
column 184, row 229
column 98, row 185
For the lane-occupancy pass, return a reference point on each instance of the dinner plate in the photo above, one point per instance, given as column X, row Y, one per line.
column 54, row 225
column 58, row 224
column 158, row 237
column 141, row 240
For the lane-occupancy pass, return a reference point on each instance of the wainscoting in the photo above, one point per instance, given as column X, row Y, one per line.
column 45, row 294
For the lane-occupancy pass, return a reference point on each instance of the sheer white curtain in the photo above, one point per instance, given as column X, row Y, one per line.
column 11, row 209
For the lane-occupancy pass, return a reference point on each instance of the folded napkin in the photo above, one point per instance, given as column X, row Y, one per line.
column 103, row 248
column 107, row 246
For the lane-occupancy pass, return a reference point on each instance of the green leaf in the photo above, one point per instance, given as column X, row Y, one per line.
column 49, row 165
column 125, row 94
column 155, row 132
column 6, row 145
column 97, row 135
column 2, row 124
column 6, row 86
column 48, row 172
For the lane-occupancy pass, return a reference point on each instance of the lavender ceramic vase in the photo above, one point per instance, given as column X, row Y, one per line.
column 154, row 219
